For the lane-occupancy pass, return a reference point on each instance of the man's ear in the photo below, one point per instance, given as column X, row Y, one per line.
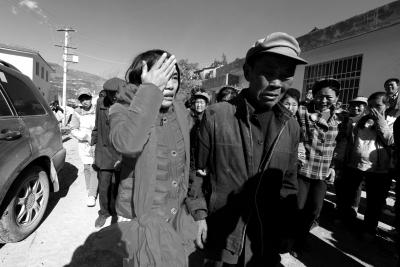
column 246, row 71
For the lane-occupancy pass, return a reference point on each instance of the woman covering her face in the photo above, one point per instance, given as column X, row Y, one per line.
column 150, row 129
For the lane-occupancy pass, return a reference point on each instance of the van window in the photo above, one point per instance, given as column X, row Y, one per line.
column 22, row 98
column 4, row 109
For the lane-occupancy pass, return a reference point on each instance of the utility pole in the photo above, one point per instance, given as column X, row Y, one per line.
column 66, row 59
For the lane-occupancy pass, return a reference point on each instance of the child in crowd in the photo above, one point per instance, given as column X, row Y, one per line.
column 368, row 157
column 291, row 100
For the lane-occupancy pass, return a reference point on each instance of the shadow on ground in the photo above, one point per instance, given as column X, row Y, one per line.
column 347, row 242
column 66, row 178
column 103, row 248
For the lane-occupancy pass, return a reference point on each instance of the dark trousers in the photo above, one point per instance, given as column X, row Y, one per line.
column 377, row 187
column 310, row 199
column 348, row 193
column 108, row 186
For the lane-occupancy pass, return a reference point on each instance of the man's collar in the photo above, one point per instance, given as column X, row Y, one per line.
column 279, row 109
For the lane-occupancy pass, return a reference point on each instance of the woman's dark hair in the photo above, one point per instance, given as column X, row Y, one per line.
column 134, row 72
column 378, row 95
column 292, row 92
column 226, row 93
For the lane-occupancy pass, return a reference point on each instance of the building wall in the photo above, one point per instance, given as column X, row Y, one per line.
column 21, row 62
column 26, row 63
column 43, row 84
column 381, row 57
column 235, row 68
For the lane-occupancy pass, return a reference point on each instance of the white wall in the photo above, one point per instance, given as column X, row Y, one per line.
column 23, row 63
column 26, row 63
column 381, row 58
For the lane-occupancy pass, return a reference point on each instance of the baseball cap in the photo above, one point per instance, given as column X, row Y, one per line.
column 203, row 95
column 328, row 82
column 113, row 84
column 278, row 43
column 360, row 99
column 84, row 91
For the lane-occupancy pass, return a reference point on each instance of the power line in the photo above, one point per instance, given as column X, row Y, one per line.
column 102, row 59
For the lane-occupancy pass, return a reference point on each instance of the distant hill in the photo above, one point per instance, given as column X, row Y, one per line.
column 75, row 80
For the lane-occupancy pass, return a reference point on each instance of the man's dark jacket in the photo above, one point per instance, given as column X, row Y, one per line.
column 105, row 154
column 227, row 195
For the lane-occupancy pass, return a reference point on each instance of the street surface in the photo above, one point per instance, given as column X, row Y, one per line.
column 68, row 222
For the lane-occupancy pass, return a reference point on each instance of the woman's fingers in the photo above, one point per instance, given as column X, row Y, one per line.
column 144, row 68
column 167, row 63
column 204, row 235
column 160, row 61
column 171, row 70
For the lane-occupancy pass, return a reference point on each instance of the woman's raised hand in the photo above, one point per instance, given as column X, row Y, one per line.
column 160, row 72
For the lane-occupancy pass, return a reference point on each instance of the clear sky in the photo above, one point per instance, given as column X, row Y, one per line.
column 111, row 32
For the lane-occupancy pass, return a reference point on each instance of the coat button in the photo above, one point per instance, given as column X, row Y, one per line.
column 173, row 153
column 174, row 183
column 260, row 142
column 173, row 211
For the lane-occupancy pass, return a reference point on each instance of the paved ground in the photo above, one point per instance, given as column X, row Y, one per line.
column 69, row 222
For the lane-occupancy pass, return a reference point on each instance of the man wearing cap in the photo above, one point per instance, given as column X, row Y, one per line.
column 200, row 102
column 320, row 132
column 248, row 149
column 357, row 107
column 105, row 156
column 82, row 124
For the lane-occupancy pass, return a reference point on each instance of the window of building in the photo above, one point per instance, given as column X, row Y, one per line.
column 47, row 75
column 42, row 73
column 4, row 108
column 37, row 68
column 347, row 70
column 22, row 97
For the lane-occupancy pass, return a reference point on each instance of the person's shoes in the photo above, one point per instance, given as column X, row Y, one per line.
column 300, row 247
column 91, row 201
column 100, row 221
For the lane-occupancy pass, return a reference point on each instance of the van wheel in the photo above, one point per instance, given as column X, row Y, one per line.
column 29, row 197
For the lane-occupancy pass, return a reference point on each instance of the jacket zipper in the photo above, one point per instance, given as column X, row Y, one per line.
column 252, row 167
column 255, row 196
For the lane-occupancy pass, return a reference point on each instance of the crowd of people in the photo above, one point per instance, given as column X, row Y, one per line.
column 241, row 180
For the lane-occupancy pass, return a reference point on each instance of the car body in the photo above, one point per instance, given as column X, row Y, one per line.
column 31, row 154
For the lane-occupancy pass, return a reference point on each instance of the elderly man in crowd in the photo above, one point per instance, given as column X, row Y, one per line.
column 248, row 149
